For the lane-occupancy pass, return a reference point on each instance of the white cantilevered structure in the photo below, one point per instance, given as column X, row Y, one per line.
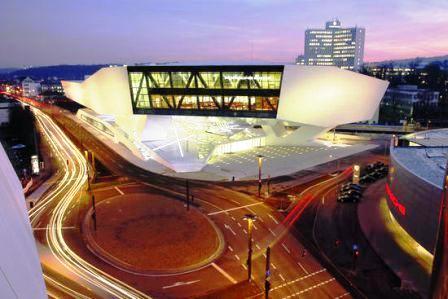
column 181, row 115
column 21, row 272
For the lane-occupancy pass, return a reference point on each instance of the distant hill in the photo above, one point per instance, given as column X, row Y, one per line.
column 64, row 72
column 416, row 61
column 7, row 70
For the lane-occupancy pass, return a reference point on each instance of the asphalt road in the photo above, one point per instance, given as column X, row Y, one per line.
column 293, row 273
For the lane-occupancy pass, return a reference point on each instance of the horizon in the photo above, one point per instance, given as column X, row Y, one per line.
column 53, row 33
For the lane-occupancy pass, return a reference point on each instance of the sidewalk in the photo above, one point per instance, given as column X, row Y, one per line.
column 396, row 247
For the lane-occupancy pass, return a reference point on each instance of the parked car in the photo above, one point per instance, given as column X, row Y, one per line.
column 348, row 198
column 367, row 179
column 351, row 186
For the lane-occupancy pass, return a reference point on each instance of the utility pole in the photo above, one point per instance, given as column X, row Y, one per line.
column 250, row 218
column 267, row 278
column 94, row 212
column 260, row 163
column 269, row 185
column 187, row 195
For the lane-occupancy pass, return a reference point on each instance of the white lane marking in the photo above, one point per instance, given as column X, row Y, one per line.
column 273, row 266
column 229, row 228
column 272, row 232
column 233, row 209
column 239, row 224
column 119, row 191
column 259, row 218
column 281, row 276
column 180, row 283
column 286, row 248
column 310, row 288
column 233, row 218
column 224, row 273
column 303, row 268
column 258, row 246
column 237, row 257
column 245, row 232
column 341, row 296
column 244, row 266
column 298, row 279
column 230, row 248
column 273, row 219
column 253, row 224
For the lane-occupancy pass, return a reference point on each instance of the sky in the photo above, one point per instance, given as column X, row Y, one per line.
column 49, row 32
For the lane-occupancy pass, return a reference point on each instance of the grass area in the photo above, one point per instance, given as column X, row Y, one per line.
column 151, row 232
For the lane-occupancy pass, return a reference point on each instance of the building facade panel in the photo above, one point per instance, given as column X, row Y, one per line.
column 414, row 202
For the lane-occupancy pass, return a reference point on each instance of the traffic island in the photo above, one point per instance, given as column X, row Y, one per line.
column 150, row 234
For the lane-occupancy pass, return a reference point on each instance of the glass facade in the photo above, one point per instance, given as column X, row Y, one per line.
column 241, row 91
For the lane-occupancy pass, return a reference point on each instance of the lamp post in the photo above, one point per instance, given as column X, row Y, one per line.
column 260, row 164
column 250, row 218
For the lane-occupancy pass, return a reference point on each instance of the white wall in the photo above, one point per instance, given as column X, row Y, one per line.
column 21, row 273
column 326, row 96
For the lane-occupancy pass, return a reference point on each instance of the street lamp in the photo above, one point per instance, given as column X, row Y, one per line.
column 250, row 218
column 260, row 163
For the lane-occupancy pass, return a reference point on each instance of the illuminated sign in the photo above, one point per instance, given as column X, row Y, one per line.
column 400, row 207
column 239, row 77
column 35, row 164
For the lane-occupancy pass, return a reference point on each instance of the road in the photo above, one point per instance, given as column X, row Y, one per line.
column 294, row 273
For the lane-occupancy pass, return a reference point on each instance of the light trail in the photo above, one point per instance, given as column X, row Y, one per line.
column 66, row 192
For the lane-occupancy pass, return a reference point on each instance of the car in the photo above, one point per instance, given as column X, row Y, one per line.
column 352, row 192
column 348, row 198
column 351, row 186
column 367, row 179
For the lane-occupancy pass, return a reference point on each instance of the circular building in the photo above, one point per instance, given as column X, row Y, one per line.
column 415, row 184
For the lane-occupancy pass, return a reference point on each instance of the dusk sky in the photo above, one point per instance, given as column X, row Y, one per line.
column 51, row 32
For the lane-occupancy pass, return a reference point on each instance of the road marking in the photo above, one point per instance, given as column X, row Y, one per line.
column 310, row 288
column 298, row 279
column 341, row 296
column 224, row 273
column 272, row 232
column 286, row 248
column 230, row 248
column 253, row 224
column 273, row 219
column 245, row 232
column 258, row 247
column 244, row 266
column 119, row 191
column 229, row 228
column 233, row 209
column 180, row 283
column 281, row 276
column 233, row 218
column 259, row 218
column 237, row 257
column 303, row 268
column 239, row 224
column 273, row 266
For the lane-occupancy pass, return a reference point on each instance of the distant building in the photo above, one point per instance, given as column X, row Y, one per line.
column 398, row 102
column 5, row 110
column 300, row 60
column 51, row 87
column 390, row 73
column 334, row 45
column 30, row 88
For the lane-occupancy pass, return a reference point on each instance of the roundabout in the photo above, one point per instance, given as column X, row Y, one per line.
column 151, row 235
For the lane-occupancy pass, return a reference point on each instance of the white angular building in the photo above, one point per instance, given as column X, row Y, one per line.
column 21, row 272
column 181, row 115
